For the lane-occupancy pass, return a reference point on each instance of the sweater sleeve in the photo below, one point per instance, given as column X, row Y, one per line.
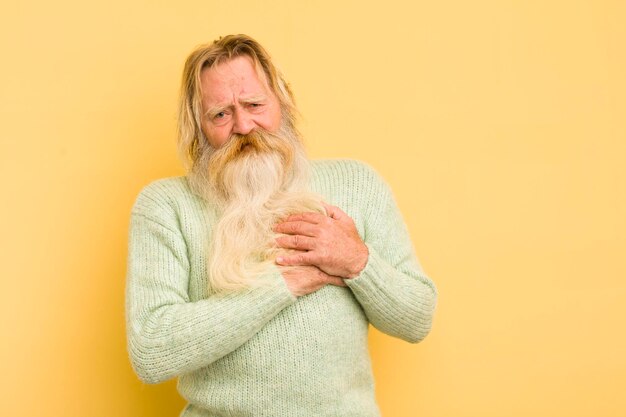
column 169, row 335
column 398, row 298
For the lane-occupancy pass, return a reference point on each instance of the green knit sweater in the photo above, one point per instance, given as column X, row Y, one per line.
column 264, row 352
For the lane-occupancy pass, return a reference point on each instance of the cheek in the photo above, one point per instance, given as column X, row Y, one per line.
column 216, row 136
column 275, row 118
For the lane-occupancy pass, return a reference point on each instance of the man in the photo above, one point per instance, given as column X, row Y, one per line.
column 254, row 278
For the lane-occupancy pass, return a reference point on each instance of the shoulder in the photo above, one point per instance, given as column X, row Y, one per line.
column 354, row 174
column 162, row 198
column 353, row 185
column 343, row 165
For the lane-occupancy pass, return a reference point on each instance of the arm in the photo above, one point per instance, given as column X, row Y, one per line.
column 168, row 334
column 396, row 295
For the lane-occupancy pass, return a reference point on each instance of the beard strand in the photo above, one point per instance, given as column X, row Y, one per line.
column 254, row 181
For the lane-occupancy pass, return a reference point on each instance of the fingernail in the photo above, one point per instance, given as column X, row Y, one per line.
column 280, row 259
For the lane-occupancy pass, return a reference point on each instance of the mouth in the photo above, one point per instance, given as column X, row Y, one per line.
column 246, row 147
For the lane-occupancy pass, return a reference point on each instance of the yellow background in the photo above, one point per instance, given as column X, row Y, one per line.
column 498, row 124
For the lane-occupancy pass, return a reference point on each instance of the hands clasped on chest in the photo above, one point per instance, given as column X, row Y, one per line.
column 323, row 250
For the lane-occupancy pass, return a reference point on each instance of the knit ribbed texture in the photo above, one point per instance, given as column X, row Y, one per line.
column 264, row 352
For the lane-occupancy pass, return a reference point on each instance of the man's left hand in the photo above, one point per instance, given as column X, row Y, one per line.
column 330, row 242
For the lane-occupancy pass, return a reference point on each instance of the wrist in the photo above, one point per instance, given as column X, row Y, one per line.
column 360, row 263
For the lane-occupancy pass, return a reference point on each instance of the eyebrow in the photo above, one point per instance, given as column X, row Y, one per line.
column 254, row 99
column 215, row 110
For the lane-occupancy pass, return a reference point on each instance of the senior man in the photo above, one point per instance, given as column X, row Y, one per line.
column 254, row 277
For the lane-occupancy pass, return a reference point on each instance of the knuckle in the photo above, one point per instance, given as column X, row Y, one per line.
column 312, row 258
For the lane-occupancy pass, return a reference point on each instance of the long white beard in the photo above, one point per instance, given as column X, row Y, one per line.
column 256, row 180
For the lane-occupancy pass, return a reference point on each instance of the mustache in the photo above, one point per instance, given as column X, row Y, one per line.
column 252, row 145
column 257, row 140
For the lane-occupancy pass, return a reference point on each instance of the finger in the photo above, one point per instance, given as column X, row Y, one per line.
column 309, row 217
column 296, row 228
column 334, row 212
column 302, row 258
column 296, row 242
column 339, row 282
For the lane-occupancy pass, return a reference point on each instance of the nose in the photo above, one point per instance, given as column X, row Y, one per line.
column 243, row 122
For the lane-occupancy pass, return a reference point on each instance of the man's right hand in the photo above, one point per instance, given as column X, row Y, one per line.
column 305, row 279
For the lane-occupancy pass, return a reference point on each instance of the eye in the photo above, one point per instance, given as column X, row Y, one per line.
column 221, row 116
column 255, row 106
